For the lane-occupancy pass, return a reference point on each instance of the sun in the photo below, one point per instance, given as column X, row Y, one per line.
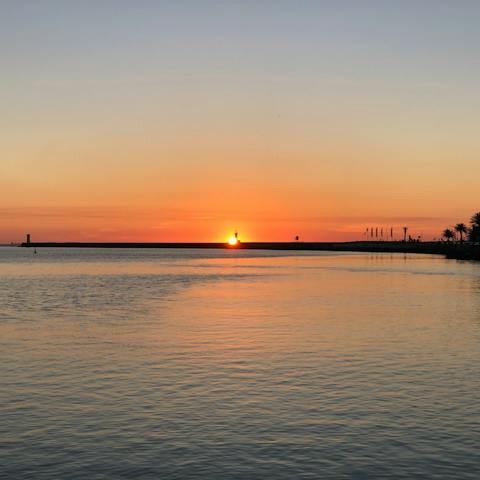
column 232, row 241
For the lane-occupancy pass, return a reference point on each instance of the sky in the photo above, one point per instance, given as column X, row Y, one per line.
column 185, row 120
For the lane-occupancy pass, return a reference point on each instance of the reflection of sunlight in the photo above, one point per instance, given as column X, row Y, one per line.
column 232, row 241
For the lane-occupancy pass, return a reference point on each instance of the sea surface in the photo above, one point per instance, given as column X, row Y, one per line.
column 226, row 364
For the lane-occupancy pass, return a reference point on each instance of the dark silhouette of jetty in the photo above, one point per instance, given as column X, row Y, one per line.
column 465, row 251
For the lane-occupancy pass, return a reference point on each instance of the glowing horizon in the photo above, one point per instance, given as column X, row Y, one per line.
column 182, row 122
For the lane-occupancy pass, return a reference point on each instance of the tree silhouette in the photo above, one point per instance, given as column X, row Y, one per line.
column 475, row 220
column 474, row 234
column 461, row 228
column 448, row 234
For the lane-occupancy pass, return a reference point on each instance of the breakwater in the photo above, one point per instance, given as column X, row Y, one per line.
column 464, row 251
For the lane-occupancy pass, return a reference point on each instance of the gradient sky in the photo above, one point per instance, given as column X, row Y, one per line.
column 183, row 120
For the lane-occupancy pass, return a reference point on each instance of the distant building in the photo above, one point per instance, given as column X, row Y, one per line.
column 28, row 238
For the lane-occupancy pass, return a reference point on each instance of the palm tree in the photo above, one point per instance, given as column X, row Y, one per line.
column 475, row 220
column 448, row 234
column 461, row 228
column 474, row 233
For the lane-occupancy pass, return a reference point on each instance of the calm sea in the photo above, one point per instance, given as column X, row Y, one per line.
column 191, row 364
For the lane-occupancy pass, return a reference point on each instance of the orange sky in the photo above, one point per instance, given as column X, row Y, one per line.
column 187, row 123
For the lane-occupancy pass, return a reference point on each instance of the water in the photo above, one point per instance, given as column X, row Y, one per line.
column 174, row 364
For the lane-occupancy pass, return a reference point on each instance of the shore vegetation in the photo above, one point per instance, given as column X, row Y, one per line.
column 461, row 231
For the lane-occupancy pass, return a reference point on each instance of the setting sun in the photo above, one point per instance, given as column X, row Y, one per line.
column 247, row 200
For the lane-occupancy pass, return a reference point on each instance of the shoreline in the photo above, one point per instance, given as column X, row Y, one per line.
column 465, row 251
